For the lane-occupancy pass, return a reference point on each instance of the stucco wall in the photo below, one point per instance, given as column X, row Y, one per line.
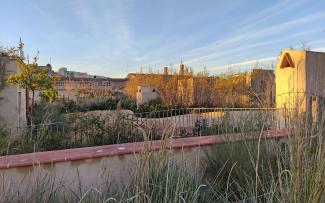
column 113, row 170
column 95, row 172
column 12, row 100
column 291, row 81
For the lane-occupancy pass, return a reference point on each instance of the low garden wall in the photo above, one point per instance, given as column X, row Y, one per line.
column 96, row 166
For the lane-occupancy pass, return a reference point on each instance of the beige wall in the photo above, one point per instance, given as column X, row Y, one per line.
column 94, row 172
column 302, row 85
column 291, row 81
column 12, row 100
column 145, row 94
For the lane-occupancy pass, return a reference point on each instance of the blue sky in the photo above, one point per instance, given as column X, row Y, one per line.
column 113, row 37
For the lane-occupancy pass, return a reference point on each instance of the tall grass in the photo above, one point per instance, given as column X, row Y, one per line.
column 260, row 170
column 257, row 171
column 159, row 177
column 307, row 160
column 156, row 177
column 241, row 171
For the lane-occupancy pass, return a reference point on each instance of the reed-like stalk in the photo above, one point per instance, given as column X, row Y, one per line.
column 261, row 170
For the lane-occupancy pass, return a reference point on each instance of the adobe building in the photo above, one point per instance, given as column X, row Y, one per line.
column 300, row 80
column 12, row 98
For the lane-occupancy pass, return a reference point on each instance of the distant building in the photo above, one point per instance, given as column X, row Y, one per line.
column 48, row 67
column 12, row 98
column 145, row 94
column 74, row 74
column 256, row 88
column 186, row 89
column 262, row 85
column 195, row 90
column 76, row 88
column 65, row 73
column 300, row 80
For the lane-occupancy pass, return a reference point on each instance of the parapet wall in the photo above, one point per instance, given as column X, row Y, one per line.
column 96, row 166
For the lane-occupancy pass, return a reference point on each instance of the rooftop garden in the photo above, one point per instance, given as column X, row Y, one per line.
column 52, row 129
column 248, row 171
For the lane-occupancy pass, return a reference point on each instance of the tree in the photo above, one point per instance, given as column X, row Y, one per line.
column 32, row 78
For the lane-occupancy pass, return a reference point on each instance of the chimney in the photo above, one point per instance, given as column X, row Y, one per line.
column 181, row 69
column 165, row 70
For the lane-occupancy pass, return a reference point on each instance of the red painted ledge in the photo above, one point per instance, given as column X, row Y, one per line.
column 50, row 157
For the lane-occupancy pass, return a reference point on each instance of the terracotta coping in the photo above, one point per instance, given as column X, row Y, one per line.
column 50, row 157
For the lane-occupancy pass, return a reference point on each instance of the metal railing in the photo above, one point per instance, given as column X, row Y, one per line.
column 121, row 127
column 207, row 121
column 184, row 121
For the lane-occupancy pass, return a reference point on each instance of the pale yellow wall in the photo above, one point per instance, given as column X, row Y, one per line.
column 12, row 112
column 291, row 82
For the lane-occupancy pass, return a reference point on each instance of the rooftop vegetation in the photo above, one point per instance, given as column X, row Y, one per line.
column 233, row 172
column 53, row 130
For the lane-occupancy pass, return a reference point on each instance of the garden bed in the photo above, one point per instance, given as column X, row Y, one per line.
column 51, row 157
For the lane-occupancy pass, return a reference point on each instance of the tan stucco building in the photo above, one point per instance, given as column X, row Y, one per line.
column 12, row 98
column 300, row 80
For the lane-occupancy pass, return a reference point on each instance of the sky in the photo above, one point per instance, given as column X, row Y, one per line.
column 114, row 37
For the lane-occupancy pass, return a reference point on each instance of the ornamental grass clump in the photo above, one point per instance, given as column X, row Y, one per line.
column 287, row 170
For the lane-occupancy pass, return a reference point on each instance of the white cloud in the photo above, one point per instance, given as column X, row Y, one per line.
column 320, row 49
column 248, row 39
column 245, row 63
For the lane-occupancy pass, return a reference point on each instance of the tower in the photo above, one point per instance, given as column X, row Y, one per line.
column 21, row 49
column 166, row 70
column 181, row 69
